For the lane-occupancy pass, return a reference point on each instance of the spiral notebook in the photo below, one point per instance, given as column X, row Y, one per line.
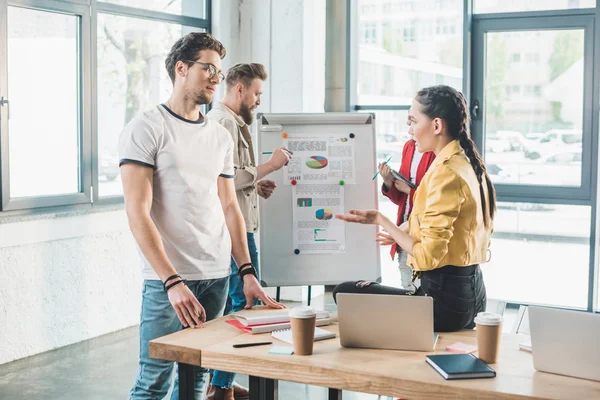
column 285, row 335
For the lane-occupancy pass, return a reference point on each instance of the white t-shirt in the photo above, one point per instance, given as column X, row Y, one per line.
column 413, row 178
column 187, row 157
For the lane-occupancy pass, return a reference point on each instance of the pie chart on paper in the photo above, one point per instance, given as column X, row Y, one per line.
column 324, row 214
column 316, row 162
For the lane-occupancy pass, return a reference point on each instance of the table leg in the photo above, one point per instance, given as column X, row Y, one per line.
column 263, row 388
column 335, row 394
column 186, row 382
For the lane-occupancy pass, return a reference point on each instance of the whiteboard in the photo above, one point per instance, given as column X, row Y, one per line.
column 360, row 260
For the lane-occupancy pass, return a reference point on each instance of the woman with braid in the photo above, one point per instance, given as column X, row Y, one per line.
column 448, row 232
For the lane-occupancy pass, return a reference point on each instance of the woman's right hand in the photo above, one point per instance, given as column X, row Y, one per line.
column 362, row 217
column 386, row 174
column 384, row 238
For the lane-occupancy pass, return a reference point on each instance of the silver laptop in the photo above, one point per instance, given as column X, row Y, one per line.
column 565, row 342
column 376, row 321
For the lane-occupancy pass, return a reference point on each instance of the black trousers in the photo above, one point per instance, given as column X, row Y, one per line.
column 458, row 295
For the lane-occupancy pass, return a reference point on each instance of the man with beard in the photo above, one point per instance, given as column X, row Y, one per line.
column 177, row 173
column 236, row 112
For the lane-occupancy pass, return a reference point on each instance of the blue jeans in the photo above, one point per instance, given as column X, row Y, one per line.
column 236, row 301
column 158, row 318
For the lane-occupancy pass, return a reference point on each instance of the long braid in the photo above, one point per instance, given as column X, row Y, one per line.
column 450, row 105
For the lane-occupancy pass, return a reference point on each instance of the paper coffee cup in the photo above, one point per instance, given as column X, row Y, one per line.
column 303, row 321
column 489, row 332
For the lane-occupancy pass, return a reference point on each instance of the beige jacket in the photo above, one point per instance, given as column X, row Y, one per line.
column 243, row 162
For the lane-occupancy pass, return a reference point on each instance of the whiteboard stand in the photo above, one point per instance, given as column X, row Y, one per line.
column 360, row 258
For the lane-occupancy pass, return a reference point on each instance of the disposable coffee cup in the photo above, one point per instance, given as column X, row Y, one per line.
column 303, row 321
column 489, row 331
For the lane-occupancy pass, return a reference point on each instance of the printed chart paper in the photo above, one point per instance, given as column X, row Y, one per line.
column 316, row 230
column 320, row 159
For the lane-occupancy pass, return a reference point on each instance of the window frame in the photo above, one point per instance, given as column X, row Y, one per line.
column 87, row 12
column 130, row 12
column 587, row 196
column 84, row 125
column 546, row 21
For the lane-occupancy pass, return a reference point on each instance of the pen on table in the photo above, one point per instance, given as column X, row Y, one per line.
column 386, row 161
column 251, row 344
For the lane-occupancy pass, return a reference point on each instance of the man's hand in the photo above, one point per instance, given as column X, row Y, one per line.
column 189, row 310
column 253, row 290
column 280, row 157
column 265, row 188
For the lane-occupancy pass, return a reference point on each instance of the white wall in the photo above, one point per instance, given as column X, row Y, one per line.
column 64, row 280
column 288, row 37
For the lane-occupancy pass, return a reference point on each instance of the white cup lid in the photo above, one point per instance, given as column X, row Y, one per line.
column 488, row 318
column 302, row 312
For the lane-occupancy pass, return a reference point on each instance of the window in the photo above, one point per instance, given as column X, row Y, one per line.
column 501, row 6
column 42, row 151
column 191, row 8
column 43, row 41
column 131, row 79
column 540, row 254
column 56, row 150
column 410, row 52
column 543, row 122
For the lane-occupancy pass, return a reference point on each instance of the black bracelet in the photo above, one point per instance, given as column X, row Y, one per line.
column 245, row 265
column 175, row 284
column 247, row 271
column 168, row 279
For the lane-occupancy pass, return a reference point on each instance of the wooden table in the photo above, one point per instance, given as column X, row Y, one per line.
column 401, row 374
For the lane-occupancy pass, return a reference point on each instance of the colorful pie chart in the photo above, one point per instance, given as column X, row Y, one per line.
column 316, row 162
column 324, row 214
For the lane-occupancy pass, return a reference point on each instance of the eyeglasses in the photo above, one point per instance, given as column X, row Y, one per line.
column 212, row 70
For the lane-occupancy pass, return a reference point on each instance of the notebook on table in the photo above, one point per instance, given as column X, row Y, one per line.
column 265, row 328
column 285, row 335
column 460, row 366
column 269, row 317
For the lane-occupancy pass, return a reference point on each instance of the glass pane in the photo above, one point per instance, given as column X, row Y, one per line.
column 43, row 129
column 190, row 8
column 405, row 46
column 540, row 254
column 496, row 6
column 534, row 107
column 131, row 79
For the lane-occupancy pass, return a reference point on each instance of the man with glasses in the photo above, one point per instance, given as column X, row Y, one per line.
column 243, row 88
column 177, row 174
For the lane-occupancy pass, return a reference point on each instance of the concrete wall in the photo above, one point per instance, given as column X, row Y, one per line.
column 65, row 279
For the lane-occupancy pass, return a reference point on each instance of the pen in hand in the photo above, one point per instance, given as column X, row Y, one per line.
column 386, row 161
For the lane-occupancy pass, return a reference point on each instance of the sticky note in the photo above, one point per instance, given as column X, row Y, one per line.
column 281, row 350
column 461, row 348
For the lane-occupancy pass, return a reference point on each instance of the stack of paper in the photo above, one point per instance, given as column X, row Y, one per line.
column 254, row 329
column 270, row 317
column 263, row 322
